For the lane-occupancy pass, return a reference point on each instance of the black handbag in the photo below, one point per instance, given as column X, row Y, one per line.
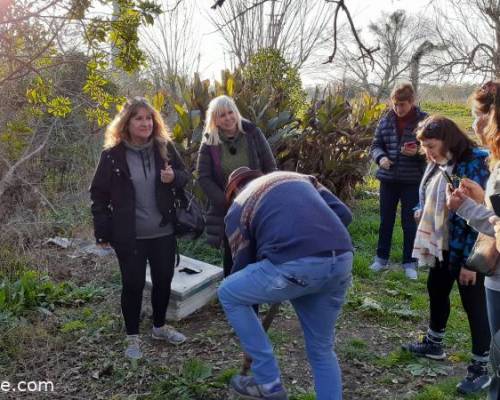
column 189, row 220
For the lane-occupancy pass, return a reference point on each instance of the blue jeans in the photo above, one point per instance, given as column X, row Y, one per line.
column 493, row 306
column 316, row 287
column 391, row 193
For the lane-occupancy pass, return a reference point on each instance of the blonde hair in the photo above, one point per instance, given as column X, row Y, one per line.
column 217, row 106
column 117, row 130
column 403, row 92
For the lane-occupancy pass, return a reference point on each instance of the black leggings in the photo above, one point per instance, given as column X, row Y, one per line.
column 160, row 253
column 439, row 284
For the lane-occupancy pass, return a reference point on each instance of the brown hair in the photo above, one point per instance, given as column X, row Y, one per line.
column 486, row 100
column 117, row 130
column 454, row 139
column 403, row 92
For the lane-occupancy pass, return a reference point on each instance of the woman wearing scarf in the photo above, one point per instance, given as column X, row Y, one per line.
column 229, row 142
column 444, row 241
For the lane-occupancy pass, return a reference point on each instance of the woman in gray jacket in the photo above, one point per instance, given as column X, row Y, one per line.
column 472, row 203
column 229, row 142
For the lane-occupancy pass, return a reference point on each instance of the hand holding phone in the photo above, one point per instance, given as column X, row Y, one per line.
column 447, row 177
column 495, row 203
column 472, row 189
column 409, row 148
column 410, row 145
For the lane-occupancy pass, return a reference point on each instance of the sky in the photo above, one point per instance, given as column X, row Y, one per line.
column 214, row 56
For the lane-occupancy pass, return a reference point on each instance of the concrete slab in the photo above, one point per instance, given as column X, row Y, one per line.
column 190, row 292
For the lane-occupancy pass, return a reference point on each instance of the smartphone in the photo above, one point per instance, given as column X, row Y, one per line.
column 495, row 203
column 190, row 270
column 448, row 177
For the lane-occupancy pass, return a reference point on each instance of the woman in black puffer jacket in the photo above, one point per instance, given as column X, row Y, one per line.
column 401, row 166
column 229, row 142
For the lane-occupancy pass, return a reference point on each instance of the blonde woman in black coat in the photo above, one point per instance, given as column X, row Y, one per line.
column 133, row 207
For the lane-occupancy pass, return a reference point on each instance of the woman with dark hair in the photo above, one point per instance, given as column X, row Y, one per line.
column 473, row 204
column 132, row 196
column 444, row 241
column 229, row 142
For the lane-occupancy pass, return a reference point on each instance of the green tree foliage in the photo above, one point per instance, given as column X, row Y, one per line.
column 268, row 91
column 328, row 136
column 53, row 93
column 274, row 82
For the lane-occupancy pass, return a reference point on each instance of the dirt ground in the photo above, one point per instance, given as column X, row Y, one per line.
column 89, row 363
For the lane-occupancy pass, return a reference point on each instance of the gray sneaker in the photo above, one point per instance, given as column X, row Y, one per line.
column 410, row 270
column 379, row 264
column 133, row 350
column 246, row 388
column 169, row 334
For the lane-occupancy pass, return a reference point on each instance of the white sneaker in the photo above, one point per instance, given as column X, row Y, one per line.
column 133, row 349
column 410, row 271
column 379, row 264
column 169, row 334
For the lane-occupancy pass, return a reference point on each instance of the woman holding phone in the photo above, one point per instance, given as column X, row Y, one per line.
column 395, row 151
column 473, row 204
column 444, row 241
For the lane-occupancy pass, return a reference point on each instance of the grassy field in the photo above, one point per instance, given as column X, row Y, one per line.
column 460, row 113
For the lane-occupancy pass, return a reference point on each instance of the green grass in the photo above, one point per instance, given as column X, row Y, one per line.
column 460, row 113
column 200, row 250
column 445, row 390
column 388, row 297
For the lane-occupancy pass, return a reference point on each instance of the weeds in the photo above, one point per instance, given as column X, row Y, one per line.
column 193, row 382
column 32, row 289
column 445, row 390
column 395, row 359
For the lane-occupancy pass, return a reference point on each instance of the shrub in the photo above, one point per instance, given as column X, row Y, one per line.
column 332, row 142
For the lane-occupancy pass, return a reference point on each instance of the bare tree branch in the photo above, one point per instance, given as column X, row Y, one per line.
column 365, row 52
column 28, row 154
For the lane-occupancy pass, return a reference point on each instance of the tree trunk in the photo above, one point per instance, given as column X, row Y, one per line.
column 496, row 56
column 425, row 48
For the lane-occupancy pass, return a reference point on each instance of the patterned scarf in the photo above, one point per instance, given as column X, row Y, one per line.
column 251, row 197
column 432, row 232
